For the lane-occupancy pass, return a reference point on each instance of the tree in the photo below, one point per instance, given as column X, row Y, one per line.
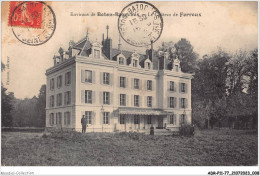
column 6, row 108
column 41, row 104
column 182, row 50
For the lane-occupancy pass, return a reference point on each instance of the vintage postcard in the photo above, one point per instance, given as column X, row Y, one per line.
column 129, row 83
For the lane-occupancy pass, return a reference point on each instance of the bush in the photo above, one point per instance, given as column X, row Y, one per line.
column 187, row 130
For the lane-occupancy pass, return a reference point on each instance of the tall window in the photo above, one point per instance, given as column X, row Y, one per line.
column 52, row 101
column 88, row 115
column 88, row 76
column 136, row 83
column 67, row 98
column 173, row 119
column 105, row 117
column 149, row 85
column 58, row 118
column 136, row 100
column 52, row 84
column 182, row 119
column 135, row 62
column 122, row 119
column 88, row 96
column 68, row 78
column 121, row 60
column 105, row 78
column 59, row 99
column 122, row 99
column 172, row 102
column 59, row 81
column 148, row 65
column 171, row 86
column 122, row 81
column 149, row 101
column 106, row 97
column 149, row 120
column 136, row 119
column 183, row 87
column 96, row 53
column 51, row 120
column 176, row 68
column 183, row 103
column 66, row 118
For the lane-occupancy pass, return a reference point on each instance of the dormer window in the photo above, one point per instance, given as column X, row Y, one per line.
column 96, row 53
column 135, row 63
column 121, row 61
column 148, row 65
column 176, row 68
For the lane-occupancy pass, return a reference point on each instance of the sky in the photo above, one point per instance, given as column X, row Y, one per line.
column 229, row 25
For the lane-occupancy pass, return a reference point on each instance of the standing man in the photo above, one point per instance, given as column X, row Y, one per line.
column 84, row 124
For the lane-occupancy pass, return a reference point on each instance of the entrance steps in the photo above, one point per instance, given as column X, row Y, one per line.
column 162, row 132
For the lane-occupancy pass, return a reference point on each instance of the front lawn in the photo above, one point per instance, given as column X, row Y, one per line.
column 206, row 148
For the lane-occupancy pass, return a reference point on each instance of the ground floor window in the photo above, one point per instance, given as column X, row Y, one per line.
column 149, row 120
column 122, row 119
column 182, row 119
column 105, row 117
column 173, row 119
column 66, row 118
column 88, row 115
column 51, row 119
column 58, row 118
column 136, row 119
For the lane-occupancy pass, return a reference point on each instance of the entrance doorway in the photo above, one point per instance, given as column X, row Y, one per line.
column 160, row 123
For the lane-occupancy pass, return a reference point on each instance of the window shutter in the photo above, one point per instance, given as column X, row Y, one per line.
column 153, row 101
column 145, row 84
column 179, row 103
column 65, row 116
column 168, row 85
column 145, row 101
column 83, row 96
column 93, row 77
column 186, row 87
column 57, row 103
column 101, row 97
column 186, row 103
column 118, row 118
column 93, row 97
column 140, row 101
column 132, row 80
column 175, row 102
column 101, row 118
column 127, row 101
column 174, row 87
column 179, row 87
column 132, row 100
column 168, row 100
column 111, row 79
column 126, row 82
column 141, row 84
column 118, row 82
column 69, row 97
column 50, row 101
column 109, row 116
column 93, row 121
column 66, row 78
column 168, row 119
column 101, row 77
column 65, row 98
column 82, row 76
column 118, row 99
column 175, row 119
column 50, row 119
column 110, row 98
column 61, row 99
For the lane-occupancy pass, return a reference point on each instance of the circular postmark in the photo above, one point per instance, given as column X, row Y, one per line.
column 140, row 24
column 33, row 23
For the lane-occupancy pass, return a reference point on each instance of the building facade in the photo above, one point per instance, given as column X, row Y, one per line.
column 116, row 90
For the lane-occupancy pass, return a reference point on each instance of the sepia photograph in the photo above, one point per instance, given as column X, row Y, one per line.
column 129, row 83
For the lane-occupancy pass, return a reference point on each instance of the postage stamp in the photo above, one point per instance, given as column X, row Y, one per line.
column 33, row 23
column 26, row 15
column 140, row 24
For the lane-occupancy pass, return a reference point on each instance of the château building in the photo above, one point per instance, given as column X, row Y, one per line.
column 116, row 90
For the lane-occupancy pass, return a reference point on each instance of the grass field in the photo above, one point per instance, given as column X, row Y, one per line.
column 206, row 148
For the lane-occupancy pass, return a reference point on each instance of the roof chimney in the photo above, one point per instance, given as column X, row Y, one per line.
column 119, row 43
column 107, row 30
